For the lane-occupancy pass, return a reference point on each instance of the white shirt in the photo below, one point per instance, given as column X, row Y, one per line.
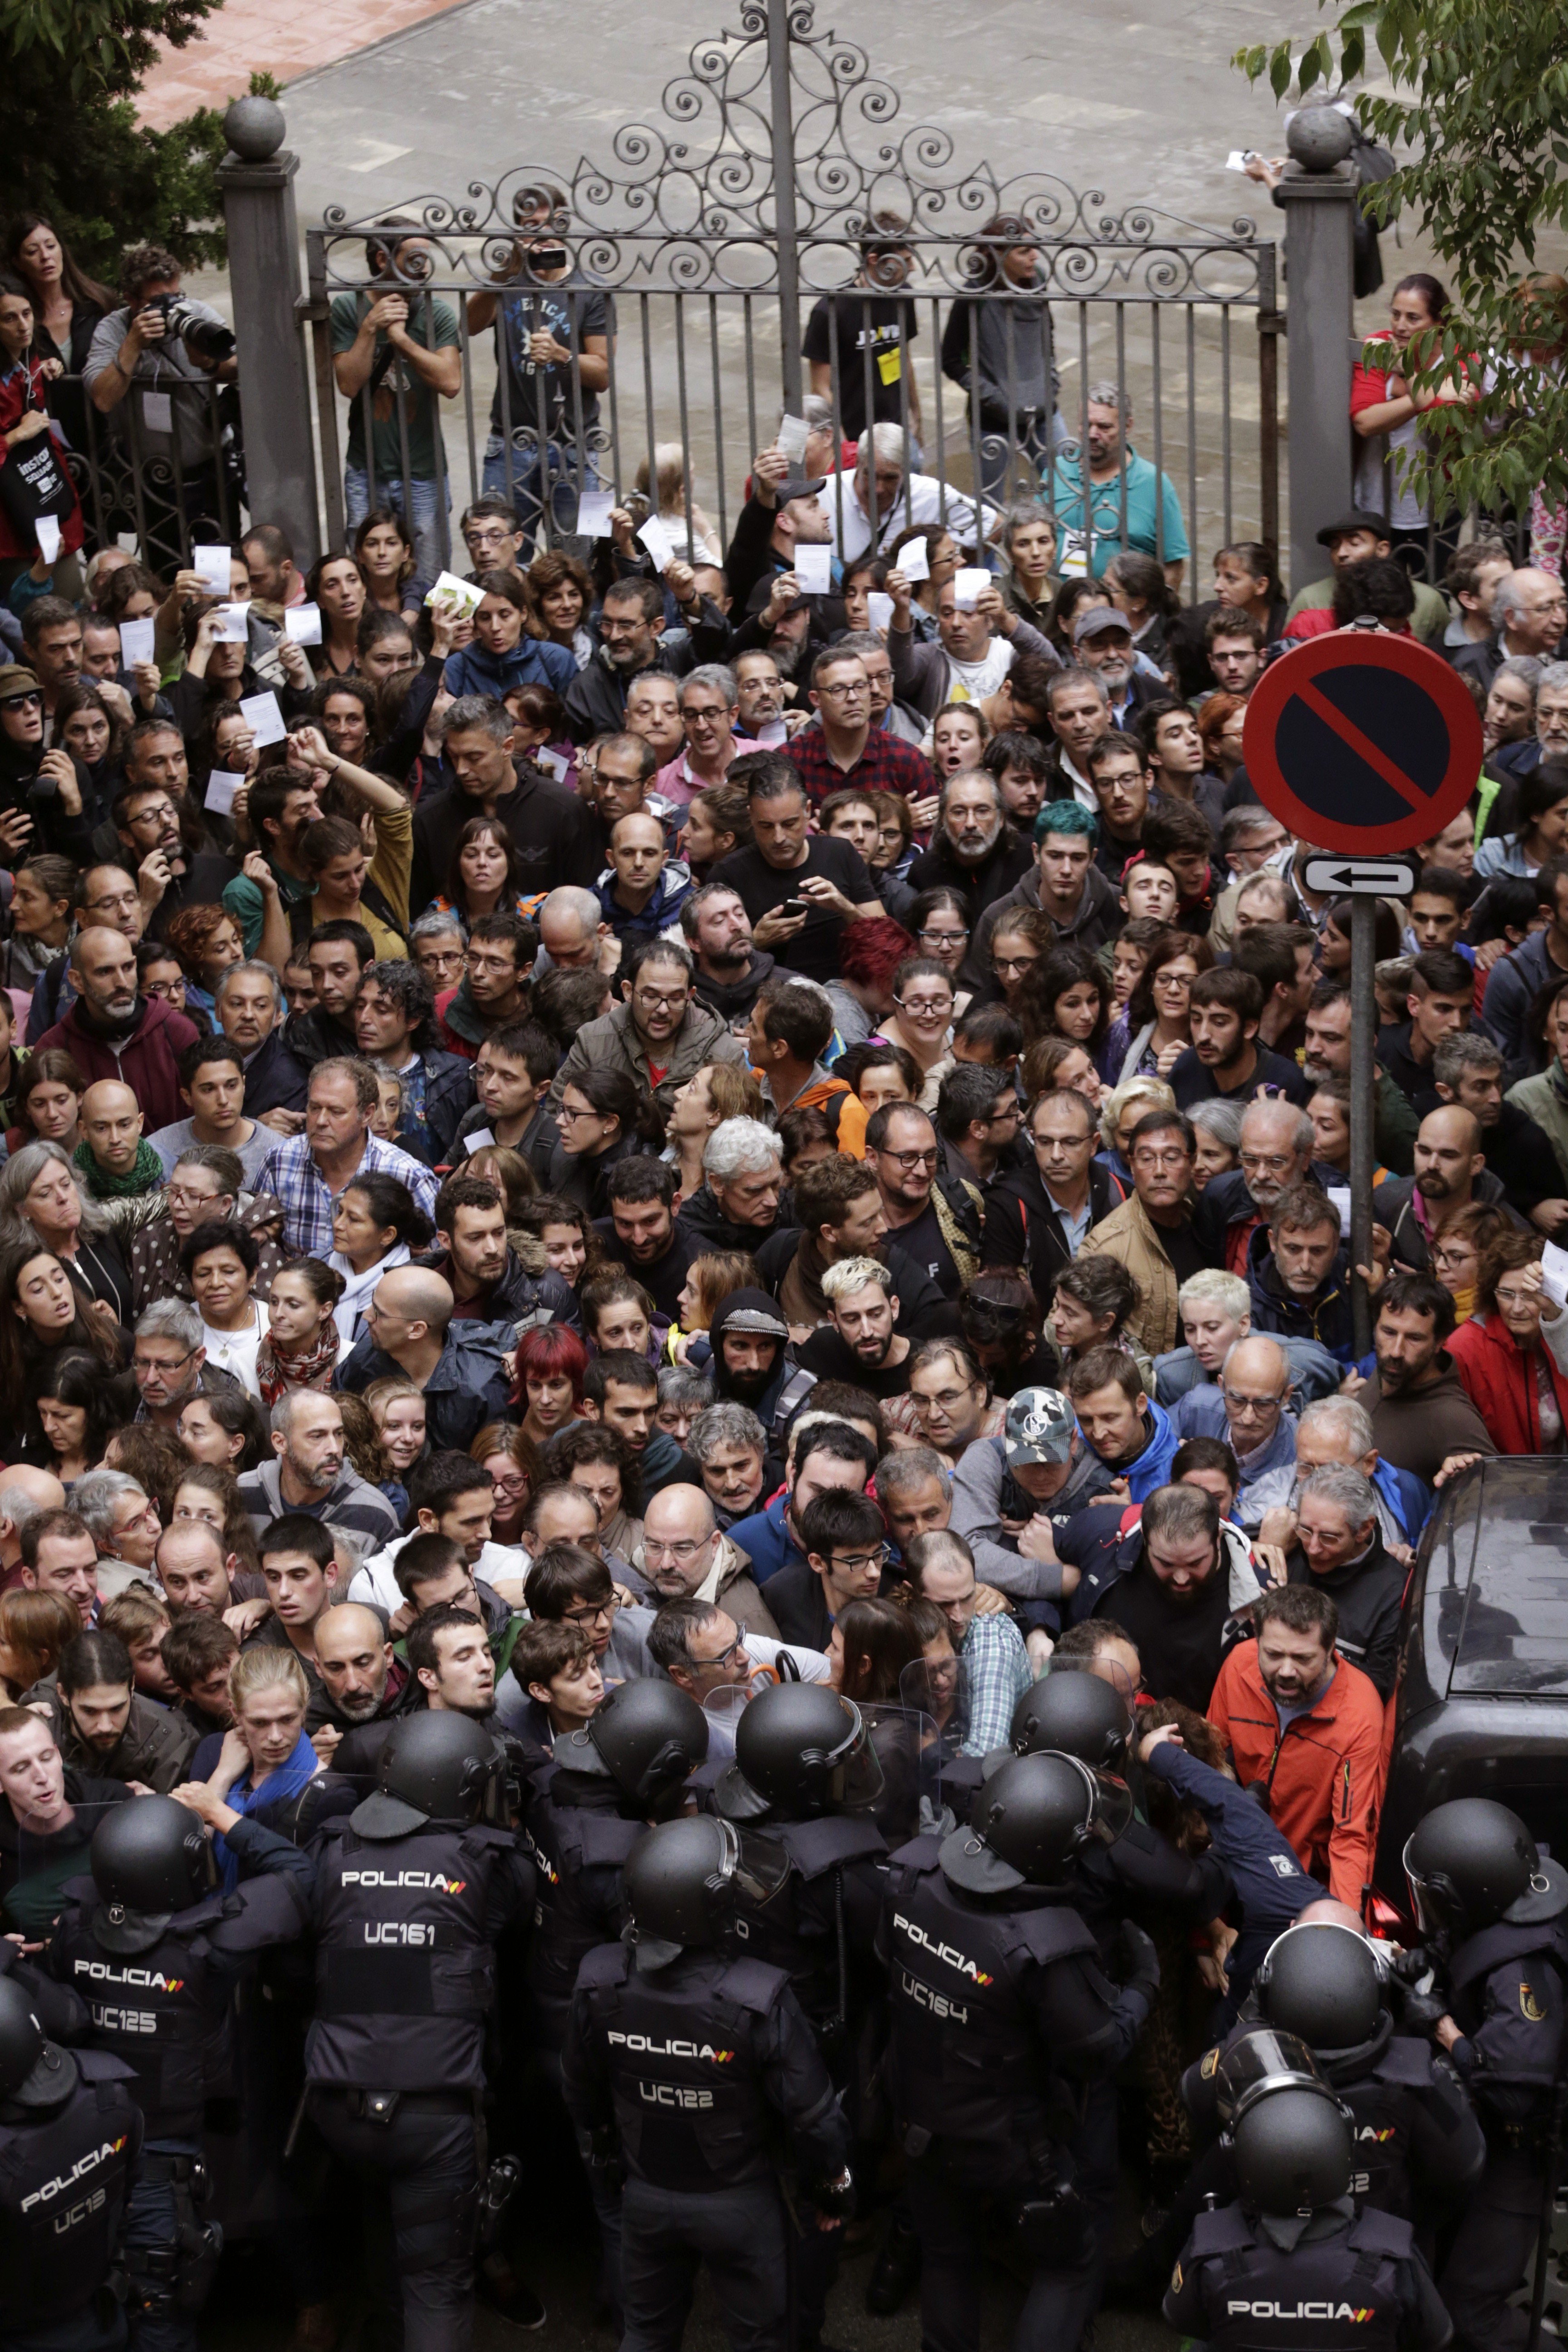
column 234, row 1352
column 927, row 503
column 375, row 1585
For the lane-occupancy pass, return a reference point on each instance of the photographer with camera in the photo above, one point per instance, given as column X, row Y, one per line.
column 396, row 353
column 164, row 351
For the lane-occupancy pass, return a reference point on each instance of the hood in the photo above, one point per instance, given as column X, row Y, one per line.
column 660, row 1457
column 703, row 1215
column 1263, row 1276
column 749, row 1310
column 461, row 1014
column 1236, row 1556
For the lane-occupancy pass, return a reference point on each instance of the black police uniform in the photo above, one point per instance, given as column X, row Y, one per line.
column 1506, row 1993
column 1002, row 2014
column 405, row 1928
column 697, row 2065
column 165, row 2006
column 1343, row 2282
column 579, row 1837
column 66, row 2170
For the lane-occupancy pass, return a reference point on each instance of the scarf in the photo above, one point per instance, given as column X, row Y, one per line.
column 145, row 1173
column 276, row 1790
column 278, row 1370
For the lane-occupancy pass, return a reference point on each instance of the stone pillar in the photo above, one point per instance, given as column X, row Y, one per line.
column 1318, row 192
column 258, row 177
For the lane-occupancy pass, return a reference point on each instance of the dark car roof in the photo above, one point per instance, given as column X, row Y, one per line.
column 1495, row 1598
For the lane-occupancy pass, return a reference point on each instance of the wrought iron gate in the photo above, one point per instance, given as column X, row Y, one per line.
column 779, row 175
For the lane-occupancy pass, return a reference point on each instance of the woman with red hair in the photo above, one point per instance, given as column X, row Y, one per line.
column 862, row 1000
column 550, row 1364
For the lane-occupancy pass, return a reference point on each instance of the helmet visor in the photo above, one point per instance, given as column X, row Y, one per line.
column 1434, row 1900
column 757, row 1866
column 854, row 1775
column 1113, row 1808
column 1260, row 2062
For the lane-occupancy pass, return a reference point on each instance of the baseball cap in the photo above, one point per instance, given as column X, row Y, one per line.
column 1039, row 1428
column 1098, row 620
column 1354, row 519
column 796, row 485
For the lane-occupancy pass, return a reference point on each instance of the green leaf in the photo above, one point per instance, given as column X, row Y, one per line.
column 1280, row 71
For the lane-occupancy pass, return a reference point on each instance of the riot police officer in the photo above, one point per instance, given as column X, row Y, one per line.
column 1492, row 1908
column 1003, row 2016
column 1292, row 2262
column 806, row 1776
column 690, row 2058
column 71, row 2139
column 412, row 1891
column 625, row 1768
column 157, row 1950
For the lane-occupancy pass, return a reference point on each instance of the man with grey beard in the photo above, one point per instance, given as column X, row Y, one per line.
column 973, row 849
column 1102, row 642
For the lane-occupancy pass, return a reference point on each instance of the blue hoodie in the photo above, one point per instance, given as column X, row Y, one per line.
column 1278, row 1314
column 1153, row 1467
column 472, row 670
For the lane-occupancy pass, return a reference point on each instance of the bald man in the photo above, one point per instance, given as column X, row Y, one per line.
column 113, row 1032
column 111, row 1126
column 686, row 1558
column 1450, row 1172
column 572, row 930
column 460, row 1366
column 24, row 1493
column 198, row 1575
column 361, row 1680
column 1249, row 1407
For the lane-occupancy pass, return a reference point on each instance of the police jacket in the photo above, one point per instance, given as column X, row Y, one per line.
column 405, row 1935
column 167, row 2008
column 1506, row 1994
column 821, row 1926
column 702, row 2066
column 1351, row 2284
column 1419, row 2143
column 66, row 2172
column 991, row 2002
column 579, row 1841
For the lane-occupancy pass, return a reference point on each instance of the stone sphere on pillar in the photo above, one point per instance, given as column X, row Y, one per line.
column 1319, row 137
column 254, row 128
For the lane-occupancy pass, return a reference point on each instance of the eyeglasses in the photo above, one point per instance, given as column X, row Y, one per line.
column 1011, row 963
column 1249, row 1407
column 939, row 936
column 117, row 904
column 724, row 1656
column 602, row 1613
column 685, row 1551
column 1172, row 980
column 857, row 1562
column 141, row 1363
column 852, row 692
column 565, row 1113
column 1268, row 1163
column 189, row 1199
column 656, row 1002
column 932, row 1008
column 909, row 1159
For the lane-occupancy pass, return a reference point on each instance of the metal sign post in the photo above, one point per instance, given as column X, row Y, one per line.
column 1363, row 1108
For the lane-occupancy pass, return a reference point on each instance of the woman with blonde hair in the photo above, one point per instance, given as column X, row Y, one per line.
column 397, row 1409
column 710, row 1279
column 669, row 503
column 718, row 1091
column 1120, row 1108
column 265, row 1760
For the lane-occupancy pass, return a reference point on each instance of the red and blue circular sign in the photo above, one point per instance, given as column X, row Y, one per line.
column 1360, row 743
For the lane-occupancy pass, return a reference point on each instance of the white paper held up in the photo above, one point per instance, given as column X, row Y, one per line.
column 265, row 720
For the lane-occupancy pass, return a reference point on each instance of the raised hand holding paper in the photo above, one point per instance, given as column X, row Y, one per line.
column 213, row 564
column 878, row 609
column 463, row 595
column 813, row 567
column 48, row 528
column 594, row 510
column 265, row 720
column 659, row 543
column 230, row 626
column 137, row 641
column 1554, row 1275
column 303, row 623
column 221, row 786
column 793, row 436
column 969, row 586
column 914, row 561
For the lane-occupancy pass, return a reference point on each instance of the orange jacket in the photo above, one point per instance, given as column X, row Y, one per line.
column 1323, row 1775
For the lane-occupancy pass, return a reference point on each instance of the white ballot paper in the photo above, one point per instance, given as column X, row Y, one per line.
column 265, row 720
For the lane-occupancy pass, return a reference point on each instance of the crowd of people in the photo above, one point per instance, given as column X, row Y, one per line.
column 677, row 1241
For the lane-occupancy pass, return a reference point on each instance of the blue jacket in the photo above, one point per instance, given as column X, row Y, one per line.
column 1201, row 1414
column 1278, row 1314
column 472, row 670
column 1270, row 1884
column 1314, row 1373
column 662, row 909
column 1152, row 1468
column 1511, row 985
column 1408, row 1497
column 766, row 1540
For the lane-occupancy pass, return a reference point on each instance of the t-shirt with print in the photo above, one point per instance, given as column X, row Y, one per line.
column 884, row 321
column 813, row 950
column 571, row 311
column 430, row 321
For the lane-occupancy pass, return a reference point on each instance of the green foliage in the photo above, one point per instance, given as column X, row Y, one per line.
column 1478, row 119
column 73, row 147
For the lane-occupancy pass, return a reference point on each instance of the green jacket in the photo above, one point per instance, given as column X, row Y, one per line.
column 1544, row 1098
column 1393, row 1127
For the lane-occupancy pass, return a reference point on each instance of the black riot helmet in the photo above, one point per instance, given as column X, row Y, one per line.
column 33, row 2073
column 1322, row 1982
column 1256, row 2064
column 683, row 1880
column 1292, row 2151
column 150, row 1859
column 1078, row 1715
column 1472, row 1863
column 645, row 1735
column 801, row 1750
column 1034, row 1815
column 440, row 1767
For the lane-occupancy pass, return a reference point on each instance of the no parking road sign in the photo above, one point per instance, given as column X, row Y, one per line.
column 1362, row 743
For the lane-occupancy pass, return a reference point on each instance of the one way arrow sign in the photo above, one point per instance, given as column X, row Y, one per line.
column 1357, row 878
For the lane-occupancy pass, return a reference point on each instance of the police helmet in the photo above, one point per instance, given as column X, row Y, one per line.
column 801, row 1750
column 1078, row 1715
column 1034, row 1815
column 1324, row 1982
column 1472, row 1863
column 150, row 1859
column 1292, row 2151
column 1255, row 2064
column 683, row 1880
column 33, row 2073
column 434, row 1766
column 645, row 1735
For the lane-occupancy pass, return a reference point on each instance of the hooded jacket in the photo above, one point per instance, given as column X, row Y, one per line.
column 1278, row 1313
column 156, row 1747
column 1369, row 1594
column 1097, row 921
column 469, row 1387
column 1023, row 1229
column 712, row 1230
column 515, row 1295
column 787, row 1388
column 1151, row 1468
column 1500, row 1380
column 731, row 999
column 612, row 1043
column 548, row 826
column 1321, row 1776
column 145, row 1061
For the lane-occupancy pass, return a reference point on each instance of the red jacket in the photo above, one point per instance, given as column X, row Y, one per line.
column 24, row 386
column 145, row 1063
column 1324, row 1774
column 1501, row 1382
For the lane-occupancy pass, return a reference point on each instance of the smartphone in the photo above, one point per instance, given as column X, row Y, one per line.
column 793, row 907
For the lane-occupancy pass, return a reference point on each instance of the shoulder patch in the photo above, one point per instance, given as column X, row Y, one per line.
column 1210, row 2064
column 1528, row 2007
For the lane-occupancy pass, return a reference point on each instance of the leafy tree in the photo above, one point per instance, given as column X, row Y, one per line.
column 73, row 146
column 1481, row 112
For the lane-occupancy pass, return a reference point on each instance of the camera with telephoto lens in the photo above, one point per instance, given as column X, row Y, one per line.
column 208, row 338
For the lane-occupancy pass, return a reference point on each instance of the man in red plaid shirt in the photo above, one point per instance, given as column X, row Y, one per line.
column 843, row 747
